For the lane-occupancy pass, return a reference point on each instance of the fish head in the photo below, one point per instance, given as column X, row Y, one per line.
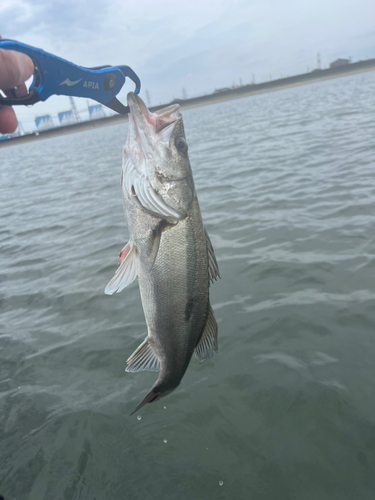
column 156, row 172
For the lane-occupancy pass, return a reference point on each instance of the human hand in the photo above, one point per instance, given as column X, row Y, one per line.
column 15, row 69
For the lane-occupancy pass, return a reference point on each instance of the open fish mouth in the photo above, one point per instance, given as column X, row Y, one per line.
column 160, row 124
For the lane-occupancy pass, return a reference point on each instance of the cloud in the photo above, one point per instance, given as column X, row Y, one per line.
column 200, row 45
column 59, row 19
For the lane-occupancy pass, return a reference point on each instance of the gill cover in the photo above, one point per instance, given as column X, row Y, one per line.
column 156, row 173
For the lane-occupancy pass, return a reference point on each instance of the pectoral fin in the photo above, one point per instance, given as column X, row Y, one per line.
column 213, row 268
column 155, row 242
column 143, row 358
column 127, row 272
column 207, row 344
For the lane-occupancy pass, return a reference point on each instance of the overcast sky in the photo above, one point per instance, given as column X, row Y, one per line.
column 198, row 45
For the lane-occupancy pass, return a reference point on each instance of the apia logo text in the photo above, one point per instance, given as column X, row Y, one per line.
column 91, row 85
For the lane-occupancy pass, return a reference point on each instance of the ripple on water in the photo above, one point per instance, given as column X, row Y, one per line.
column 286, row 186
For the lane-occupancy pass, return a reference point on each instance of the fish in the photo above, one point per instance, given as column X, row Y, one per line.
column 168, row 250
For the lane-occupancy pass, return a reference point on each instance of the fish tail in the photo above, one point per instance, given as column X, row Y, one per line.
column 152, row 396
column 156, row 393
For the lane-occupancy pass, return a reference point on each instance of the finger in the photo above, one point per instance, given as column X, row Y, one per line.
column 21, row 90
column 16, row 92
column 15, row 69
column 8, row 120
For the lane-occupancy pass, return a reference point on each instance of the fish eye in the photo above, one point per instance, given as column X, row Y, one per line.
column 181, row 145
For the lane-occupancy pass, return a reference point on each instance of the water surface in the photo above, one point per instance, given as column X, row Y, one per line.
column 286, row 410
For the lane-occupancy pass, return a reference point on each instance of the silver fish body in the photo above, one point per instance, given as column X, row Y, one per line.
column 169, row 249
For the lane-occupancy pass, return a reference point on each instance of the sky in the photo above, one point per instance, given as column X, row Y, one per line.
column 196, row 45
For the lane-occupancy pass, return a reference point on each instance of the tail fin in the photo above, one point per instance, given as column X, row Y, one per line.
column 155, row 394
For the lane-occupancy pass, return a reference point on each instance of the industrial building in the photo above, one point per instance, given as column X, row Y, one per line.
column 96, row 112
column 44, row 122
column 339, row 62
column 67, row 118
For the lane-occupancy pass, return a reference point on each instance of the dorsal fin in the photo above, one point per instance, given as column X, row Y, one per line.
column 213, row 268
column 207, row 344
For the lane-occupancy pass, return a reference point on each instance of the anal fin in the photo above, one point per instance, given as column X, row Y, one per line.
column 207, row 344
column 127, row 271
column 213, row 268
column 143, row 358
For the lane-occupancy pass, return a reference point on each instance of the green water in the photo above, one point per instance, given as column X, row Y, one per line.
column 286, row 410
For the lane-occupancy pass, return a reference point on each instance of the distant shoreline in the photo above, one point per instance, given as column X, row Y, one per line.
column 225, row 95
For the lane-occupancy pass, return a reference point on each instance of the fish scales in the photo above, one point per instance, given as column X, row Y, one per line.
column 168, row 248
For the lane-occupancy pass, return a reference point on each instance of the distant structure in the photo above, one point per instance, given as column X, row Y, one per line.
column 44, row 122
column 225, row 89
column 148, row 99
column 74, row 109
column 318, row 62
column 20, row 130
column 339, row 62
column 96, row 112
column 67, row 118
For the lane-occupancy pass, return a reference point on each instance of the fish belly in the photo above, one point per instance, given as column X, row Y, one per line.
column 174, row 293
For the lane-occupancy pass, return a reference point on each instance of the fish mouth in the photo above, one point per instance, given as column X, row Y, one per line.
column 146, row 123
